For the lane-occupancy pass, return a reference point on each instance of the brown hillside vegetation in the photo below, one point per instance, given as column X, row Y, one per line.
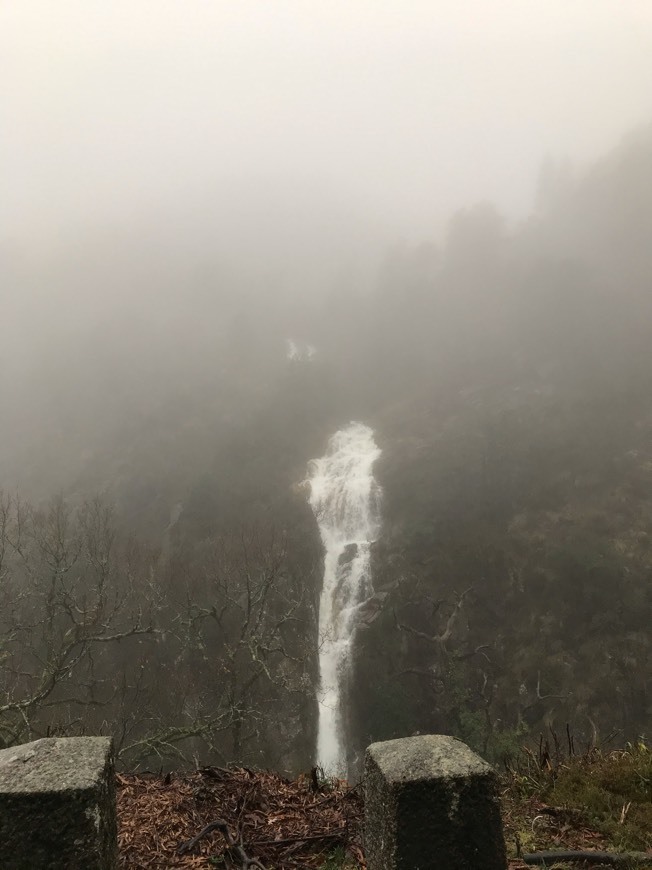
column 600, row 802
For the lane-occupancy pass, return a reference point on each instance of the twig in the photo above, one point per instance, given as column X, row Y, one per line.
column 612, row 858
column 303, row 839
column 236, row 848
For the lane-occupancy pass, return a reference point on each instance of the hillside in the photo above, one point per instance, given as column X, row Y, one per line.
column 507, row 377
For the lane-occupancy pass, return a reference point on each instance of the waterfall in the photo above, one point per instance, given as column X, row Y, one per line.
column 345, row 500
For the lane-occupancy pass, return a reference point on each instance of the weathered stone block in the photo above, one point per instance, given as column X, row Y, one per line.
column 57, row 805
column 431, row 804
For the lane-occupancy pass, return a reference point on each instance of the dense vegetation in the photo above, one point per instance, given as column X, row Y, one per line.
column 508, row 378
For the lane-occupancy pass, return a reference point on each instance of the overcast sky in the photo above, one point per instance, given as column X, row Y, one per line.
column 403, row 110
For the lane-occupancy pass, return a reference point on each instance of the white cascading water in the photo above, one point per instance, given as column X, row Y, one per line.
column 345, row 499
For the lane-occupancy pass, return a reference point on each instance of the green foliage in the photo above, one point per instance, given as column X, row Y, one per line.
column 610, row 792
column 615, row 790
column 505, row 743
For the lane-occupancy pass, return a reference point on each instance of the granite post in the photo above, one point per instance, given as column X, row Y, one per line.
column 57, row 805
column 431, row 804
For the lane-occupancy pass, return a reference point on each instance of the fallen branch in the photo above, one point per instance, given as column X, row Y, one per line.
column 613, row 858
column 329, row 835
column 235, row 848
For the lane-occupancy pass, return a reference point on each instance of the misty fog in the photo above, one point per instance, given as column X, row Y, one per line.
column 237, row 237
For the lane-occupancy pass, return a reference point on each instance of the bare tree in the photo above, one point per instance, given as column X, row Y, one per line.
column 209, row 655
column 65, row 594
column 244, row 630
